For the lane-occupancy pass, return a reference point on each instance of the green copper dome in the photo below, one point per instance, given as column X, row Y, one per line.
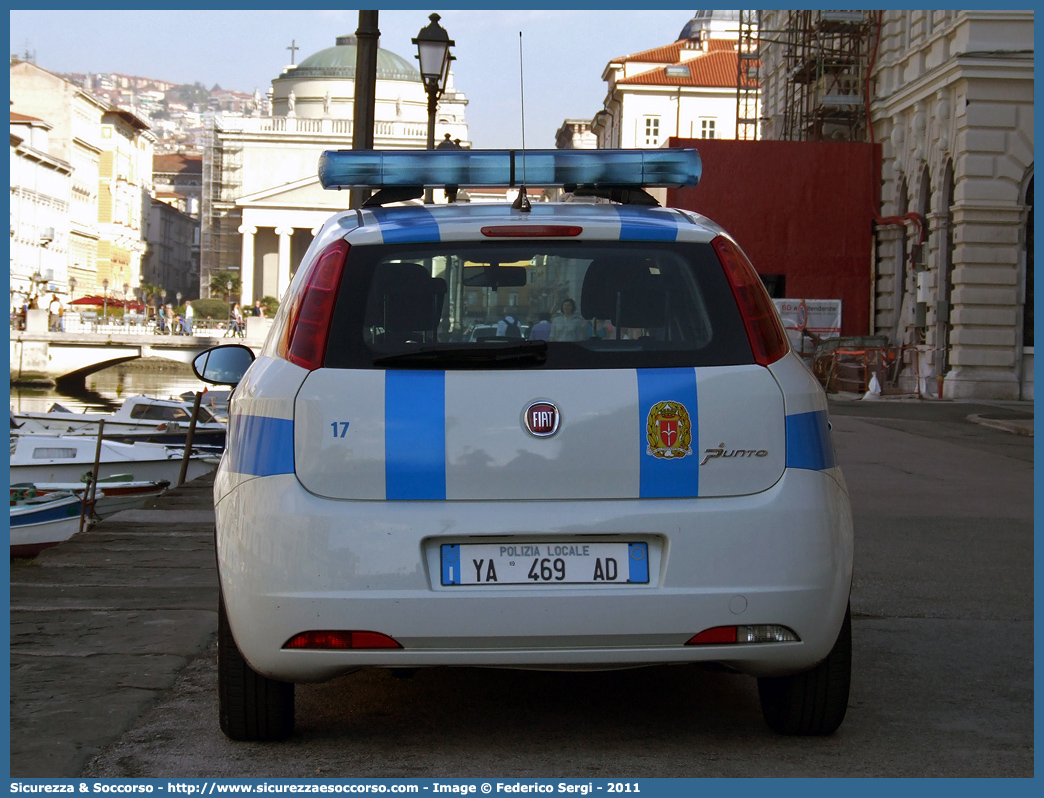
column 339, row 62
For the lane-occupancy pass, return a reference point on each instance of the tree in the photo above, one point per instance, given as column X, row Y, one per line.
column 219, row 282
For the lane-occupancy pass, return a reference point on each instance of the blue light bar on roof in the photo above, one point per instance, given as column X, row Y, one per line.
column 506, row 168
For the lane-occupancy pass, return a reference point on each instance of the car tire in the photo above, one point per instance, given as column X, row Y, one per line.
column 251, row 707
column 811, row 702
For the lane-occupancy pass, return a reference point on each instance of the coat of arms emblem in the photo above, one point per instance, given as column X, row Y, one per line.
column 669, row 430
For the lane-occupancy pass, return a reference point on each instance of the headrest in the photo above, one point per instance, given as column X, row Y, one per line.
column 625, row 292
column 405, row 298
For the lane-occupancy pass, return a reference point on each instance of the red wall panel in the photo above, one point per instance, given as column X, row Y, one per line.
column 797, row 208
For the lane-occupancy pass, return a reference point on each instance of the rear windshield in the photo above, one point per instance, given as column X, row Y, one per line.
column 535, row 305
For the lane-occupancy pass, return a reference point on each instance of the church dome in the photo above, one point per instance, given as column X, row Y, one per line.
column 706, row 18
column 339, row 62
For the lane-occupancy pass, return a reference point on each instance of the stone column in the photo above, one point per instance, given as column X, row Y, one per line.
column 246, row 268
column 984, row 298
column 284, row 234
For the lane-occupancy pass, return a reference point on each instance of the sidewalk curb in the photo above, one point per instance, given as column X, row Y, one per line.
column 1017, row 427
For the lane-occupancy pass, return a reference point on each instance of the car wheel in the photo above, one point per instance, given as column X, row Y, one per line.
column 250, row 706
column 812, row 702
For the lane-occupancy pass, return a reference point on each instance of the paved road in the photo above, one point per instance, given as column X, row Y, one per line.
column 943, row 630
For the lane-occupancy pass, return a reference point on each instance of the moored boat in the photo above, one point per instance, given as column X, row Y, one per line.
column 114, row 494
column 66, row 458
column 139, row 418
column 45, row 521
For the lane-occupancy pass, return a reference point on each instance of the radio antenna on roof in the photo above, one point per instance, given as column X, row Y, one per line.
column 522, row 201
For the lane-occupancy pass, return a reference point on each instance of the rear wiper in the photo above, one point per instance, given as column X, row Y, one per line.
column 473, row 355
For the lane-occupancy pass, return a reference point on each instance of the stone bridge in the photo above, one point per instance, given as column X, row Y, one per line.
column 67, row 358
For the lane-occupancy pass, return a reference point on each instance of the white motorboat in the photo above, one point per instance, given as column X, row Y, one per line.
column 42, row 457
column 136, row 414
column 44, row 521
column 139, row 417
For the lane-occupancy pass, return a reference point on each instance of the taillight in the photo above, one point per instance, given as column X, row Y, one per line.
column 531, row 231
column 338, row 640
column 308, row 323
column 767, row 337
column 728, row 635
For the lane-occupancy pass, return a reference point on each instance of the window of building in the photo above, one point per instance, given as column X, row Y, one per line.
column 677, row 71
column 652, row 131
column 706, row 128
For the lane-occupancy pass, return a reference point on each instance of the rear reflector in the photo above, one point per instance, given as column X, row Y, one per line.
column 767, row 337
column 764, row 633
column 329, row 641
column 531, row 231
column 308, row 323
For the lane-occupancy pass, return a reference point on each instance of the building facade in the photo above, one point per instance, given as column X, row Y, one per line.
column 124, row 196
column 951, row 104
column 576, row 134
column 41, row 193
column 262, row 203
column 686, row 89
column 172, row 258
column 75, row 116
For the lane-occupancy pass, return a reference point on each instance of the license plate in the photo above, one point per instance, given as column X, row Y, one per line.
column 545, row 563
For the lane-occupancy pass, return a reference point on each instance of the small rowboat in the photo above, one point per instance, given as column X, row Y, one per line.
column 44, row 521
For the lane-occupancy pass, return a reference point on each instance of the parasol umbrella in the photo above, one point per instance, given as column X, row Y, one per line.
column 89, row 301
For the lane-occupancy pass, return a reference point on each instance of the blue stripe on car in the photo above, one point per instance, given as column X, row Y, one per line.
column 637, row 224
column 264, row 446
column 638, row 563
column 808, row 441
column 407, row 225
column 664, row 478
column 415, row 435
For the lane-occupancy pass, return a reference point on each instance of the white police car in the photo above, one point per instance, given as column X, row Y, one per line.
column 650, row 480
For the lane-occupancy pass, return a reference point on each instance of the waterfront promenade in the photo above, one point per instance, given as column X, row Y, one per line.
column 103, row 624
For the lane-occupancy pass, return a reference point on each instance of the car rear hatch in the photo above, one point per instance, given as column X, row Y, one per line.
column 648, row 386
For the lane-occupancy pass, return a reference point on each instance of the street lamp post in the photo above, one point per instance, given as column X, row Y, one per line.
column 433, row 45
column 105, row 300
column 126, row 290
column 72, row 288
column 228, row 298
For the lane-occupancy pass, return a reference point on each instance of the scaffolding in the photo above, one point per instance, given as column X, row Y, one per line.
column 220, row 242
column 748, row 78
column 825, row 56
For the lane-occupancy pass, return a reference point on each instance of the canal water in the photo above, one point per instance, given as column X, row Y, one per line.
column 106, row 390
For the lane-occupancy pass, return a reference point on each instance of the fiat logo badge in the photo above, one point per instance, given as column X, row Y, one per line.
column 542, row 419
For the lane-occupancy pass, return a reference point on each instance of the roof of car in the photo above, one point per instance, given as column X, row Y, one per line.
column 464, row 221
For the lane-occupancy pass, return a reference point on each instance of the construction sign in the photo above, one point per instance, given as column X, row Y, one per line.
column 808, row 321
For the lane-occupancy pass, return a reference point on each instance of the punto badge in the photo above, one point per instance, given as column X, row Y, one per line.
column 541, row 419
column 669, row 430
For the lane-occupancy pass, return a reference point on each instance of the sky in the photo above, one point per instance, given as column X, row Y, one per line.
column 564, row 53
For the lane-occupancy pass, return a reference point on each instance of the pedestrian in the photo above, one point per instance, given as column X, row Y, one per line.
column 190, row 315
column 567, row 326
column 509, row 327
column 541, row 331
column 237, row 320
column 54, row 309
column 258, row 309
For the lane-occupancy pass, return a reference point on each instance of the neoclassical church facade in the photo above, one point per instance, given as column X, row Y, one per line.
column 262, row 201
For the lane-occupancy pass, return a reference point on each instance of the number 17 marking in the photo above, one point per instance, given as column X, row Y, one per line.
column 342, row 424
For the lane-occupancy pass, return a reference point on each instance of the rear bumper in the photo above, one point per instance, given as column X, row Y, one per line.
column 292, row 562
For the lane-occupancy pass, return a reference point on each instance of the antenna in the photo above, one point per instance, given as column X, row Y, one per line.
column 522, row 201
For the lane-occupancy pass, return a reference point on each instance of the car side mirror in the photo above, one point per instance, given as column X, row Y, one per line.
column 223, row 365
